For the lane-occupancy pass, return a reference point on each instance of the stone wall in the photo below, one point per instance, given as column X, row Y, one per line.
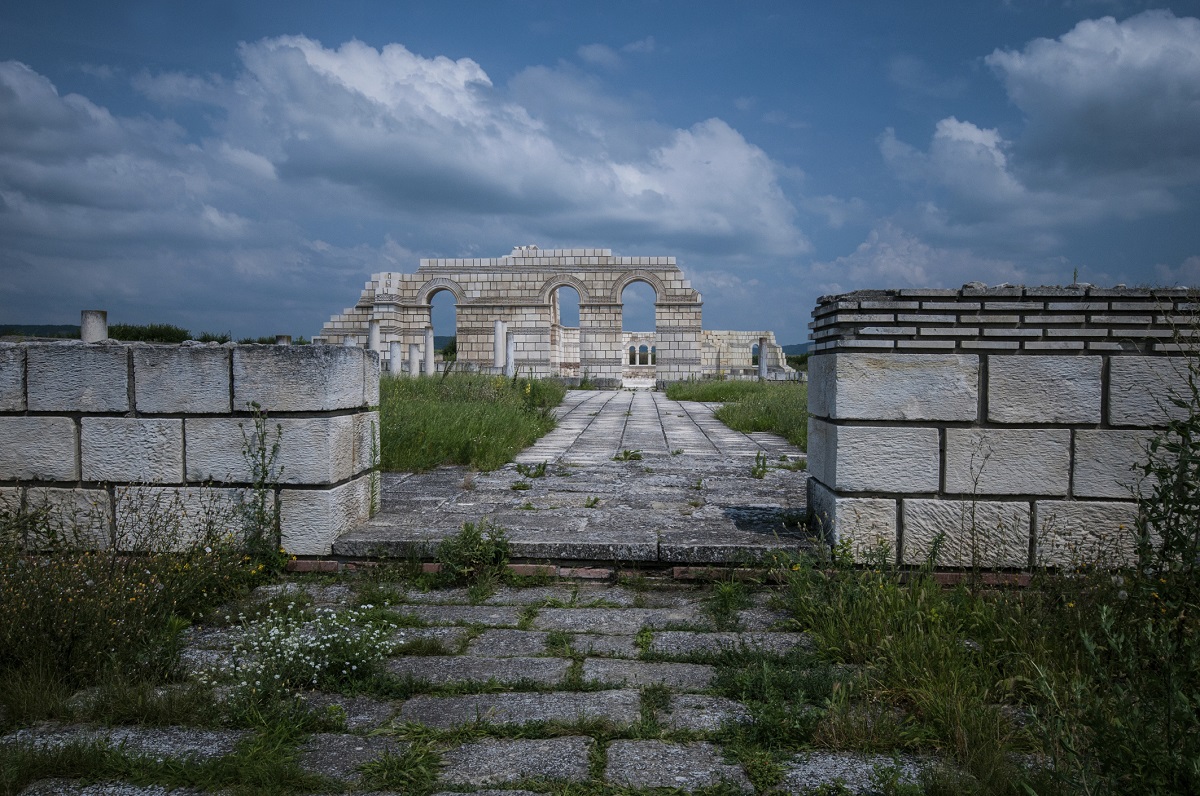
column 730, row 354
column 104, row 430
column 1006, row 421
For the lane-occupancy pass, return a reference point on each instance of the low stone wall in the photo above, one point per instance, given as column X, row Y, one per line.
column 1004, row 421
column 108, row 431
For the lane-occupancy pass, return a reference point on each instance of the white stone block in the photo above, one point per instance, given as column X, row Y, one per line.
column 311, row 519
column 1140, row 390
column 366, row 441
column 1073, row 532
column 894, row 386
column 77, row 378
column 873, row 458
column 995, row 461
column 1104, row 462
column 128, row 449
column 312, row 450
column 866, row 525
column 977, row 533
column 298, row 378
column 12, row 378
column 78, row 518
column 1044, row 389
column 39, row 449
column 371, row 379
column 176, row 379
column 174, row 518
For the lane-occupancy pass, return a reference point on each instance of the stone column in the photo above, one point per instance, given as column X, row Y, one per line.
column 762, row 358
column 395, row 357
column 510, row 354
column 498, row 349
column 414, row 359
column 373, row 335
column 93, row 326
column 430, row 364
column 283, row 339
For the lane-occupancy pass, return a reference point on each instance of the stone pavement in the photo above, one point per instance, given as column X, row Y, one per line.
column 603, row 687
column 680, row 493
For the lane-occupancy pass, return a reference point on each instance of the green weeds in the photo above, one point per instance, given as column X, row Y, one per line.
column 627, row 455
column 778, row 407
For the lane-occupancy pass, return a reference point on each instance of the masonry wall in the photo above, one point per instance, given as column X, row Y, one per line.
column 106, row 432
column 1006, row 420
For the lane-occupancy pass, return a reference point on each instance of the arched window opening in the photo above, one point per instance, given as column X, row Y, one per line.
column 443, row 314
column 637, row 307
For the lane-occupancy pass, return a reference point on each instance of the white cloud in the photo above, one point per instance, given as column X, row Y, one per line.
column 600, row 55
column 916, row 77
column 645, row 45
column 1186, row 274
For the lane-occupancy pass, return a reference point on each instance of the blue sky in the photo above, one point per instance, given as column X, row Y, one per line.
column 245, row 167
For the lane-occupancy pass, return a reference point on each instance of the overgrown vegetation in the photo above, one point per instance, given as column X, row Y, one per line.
column 459, row 418
column 779, row 407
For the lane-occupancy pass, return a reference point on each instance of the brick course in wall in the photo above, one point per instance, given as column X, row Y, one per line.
column 1005, row 421
column 109, row 433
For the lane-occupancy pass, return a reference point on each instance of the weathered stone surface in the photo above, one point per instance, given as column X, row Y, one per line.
column 312, row 450
column 81, row 516
column 489, row 615
column 621, row 707
column 39, row 449
column 132, row 450
column 493, row 762
column 450, row 638
column 605, row 645
column 606, row 620
column 313, row 378
column 894, row 386
column 172, row 518
column 699, row 713
column 158, row 742
column 656, row 764
column 507, row 644
column 682, row 642
column 683, row 676
column 12, row 378
column 995, row 461
column 874, row 458
column 976, row 533
column 310, row 519
column 1105, row 461
column 1140, row 390
column 1075, row 531
column 360, row 713
column 868, row 523
column 855, row 771
column 340, row 756
column 77, row 378
column 174, row 379
column 66, row 787
column 439, row 670
column 1044, row 389
column 366, row 440
column 565, row 594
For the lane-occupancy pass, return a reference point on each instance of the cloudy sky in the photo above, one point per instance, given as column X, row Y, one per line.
column 245, row 167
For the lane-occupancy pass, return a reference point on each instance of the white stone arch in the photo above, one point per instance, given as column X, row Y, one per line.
column 438, row 284
column 565, row 280
column 628, row 278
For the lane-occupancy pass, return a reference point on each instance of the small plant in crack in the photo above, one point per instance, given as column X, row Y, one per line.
column 592, row 502
column 760, row 468
column 628, row 455
column 532, row 471
column 521, row 486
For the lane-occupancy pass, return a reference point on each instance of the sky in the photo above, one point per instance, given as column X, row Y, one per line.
column 245, row 167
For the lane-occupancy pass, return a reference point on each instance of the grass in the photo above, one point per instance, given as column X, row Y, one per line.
column 778, row 407
column 467, row 419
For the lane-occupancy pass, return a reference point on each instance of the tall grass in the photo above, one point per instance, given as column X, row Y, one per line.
column 476, row 420
column 778, row 407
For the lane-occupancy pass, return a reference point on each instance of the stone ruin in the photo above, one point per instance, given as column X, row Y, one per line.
column 509, row 320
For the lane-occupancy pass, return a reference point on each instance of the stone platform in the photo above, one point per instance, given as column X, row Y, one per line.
column 631, row 478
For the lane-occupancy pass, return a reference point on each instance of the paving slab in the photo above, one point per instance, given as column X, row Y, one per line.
column 534, row 595
column 618, row 622
column 605, row 646
column 157, row 742
column 340, row 755
column 361, row 713
column 489, row 615
column 67, row 787
column 700, row 713
column 682, row 676
column 657, row 764
column 440, row 670
column 507, row 644
column 621, row 707
column 681, row 643
column 855, row 771
column 450, row 637
column 494, row 762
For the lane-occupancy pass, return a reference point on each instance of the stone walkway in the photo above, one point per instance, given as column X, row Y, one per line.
column 539, row 689
column 681, row 491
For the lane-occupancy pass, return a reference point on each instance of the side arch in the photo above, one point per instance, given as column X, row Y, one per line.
column 440, row 283
column 564, row 280
column 623, row 281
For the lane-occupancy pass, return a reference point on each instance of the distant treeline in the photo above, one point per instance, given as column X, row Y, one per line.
column 146, row 333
